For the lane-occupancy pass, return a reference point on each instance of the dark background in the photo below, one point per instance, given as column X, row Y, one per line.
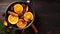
column 47, row 19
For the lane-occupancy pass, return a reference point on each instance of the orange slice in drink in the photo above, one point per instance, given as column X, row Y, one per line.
column 28, row 16
column 18, row 8
column 21, row 24
column 12, row 19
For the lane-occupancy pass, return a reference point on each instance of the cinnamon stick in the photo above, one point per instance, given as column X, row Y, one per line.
column 34, row 28
column 12, row 13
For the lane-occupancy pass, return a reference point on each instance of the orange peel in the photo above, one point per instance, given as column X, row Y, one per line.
column 28, row 16
column 12, row 19
column 18, row 8
column 21, row 24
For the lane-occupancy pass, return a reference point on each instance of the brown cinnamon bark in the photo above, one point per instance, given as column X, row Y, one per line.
column 12, row 13
column 34, row 28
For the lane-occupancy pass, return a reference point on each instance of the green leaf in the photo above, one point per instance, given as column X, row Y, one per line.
column 2, row 28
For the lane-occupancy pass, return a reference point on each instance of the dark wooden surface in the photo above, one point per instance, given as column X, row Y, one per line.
column 47, row 15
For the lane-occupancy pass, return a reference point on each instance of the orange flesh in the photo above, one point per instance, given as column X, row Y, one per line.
column 28, row 16
column 12, row 19
column 18, row 8
column 21, row 24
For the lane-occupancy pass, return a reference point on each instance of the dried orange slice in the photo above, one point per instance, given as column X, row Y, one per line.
column 12, row 19
column 21, row 24
column 5, row 23
column 18, row 8
column 28, row 16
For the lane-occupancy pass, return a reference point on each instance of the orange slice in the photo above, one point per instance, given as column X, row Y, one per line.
column 5, row 23
column 21, row 24
column 18, row 8
column 28, row 16
column 12, row 19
